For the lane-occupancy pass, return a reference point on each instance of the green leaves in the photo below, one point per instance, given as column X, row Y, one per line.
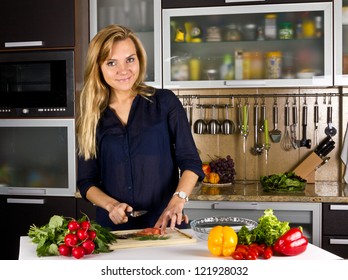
column 283, row 182
column 268, row 230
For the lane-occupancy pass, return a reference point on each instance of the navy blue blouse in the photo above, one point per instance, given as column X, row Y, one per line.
column 139, row 163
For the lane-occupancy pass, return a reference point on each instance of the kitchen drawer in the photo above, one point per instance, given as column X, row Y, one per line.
column 18, row 213
column 337, row 245
column 335, row 218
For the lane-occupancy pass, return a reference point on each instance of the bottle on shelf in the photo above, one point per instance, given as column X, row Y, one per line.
column 238, row 64
column 318, row 26
column 271, row 26
column 226, row 68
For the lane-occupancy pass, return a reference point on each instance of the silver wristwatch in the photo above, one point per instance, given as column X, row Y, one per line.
column 182, row 195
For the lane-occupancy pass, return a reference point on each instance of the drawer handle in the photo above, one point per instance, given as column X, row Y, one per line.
column 241, row 83
column 339, row 207
column 25, row 201
column 338, row 241
column 24, row 44
column 252, row 205
column 236, row 1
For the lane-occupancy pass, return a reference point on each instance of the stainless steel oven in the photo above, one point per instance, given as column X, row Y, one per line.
column 37, row 157
column 37, row 84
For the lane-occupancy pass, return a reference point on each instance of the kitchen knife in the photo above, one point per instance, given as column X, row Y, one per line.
column 322, row 145
column 327, row 149
column 136, row 214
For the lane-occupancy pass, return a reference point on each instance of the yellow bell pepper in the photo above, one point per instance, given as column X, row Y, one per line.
column 222, row 241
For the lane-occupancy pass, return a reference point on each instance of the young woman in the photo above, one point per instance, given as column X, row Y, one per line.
column 133, row 140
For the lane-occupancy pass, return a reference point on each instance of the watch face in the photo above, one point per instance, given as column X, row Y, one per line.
column 182, row 195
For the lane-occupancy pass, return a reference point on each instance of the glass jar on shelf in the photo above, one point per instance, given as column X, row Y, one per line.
column 273, row 65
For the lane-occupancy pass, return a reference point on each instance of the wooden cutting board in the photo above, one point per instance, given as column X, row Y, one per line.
column 175, row 237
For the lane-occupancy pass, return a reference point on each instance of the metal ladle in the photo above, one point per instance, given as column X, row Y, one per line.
column 227, row 126
column 214, row 124
column 200, row 126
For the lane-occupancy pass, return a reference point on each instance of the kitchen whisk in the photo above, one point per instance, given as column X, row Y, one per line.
column 286, row 141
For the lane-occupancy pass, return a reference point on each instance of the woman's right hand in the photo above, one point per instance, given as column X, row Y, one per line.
column 117, row 213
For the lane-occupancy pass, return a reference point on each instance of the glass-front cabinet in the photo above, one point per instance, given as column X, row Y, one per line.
column 248, row 46
column 142, row 16
column 341, row 42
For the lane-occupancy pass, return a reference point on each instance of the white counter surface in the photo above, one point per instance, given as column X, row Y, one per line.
column 192, row 251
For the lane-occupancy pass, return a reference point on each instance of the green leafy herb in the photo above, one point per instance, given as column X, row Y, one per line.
column 49, row 236
column 151, row 237
column 283, row 182
column 267, row 231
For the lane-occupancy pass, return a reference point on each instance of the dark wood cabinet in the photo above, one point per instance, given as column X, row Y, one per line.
column 18, row 213
column 27, row 23
column 335, row 228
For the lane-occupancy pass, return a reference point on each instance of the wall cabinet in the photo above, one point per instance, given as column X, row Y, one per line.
column 335, row 228
column 307, row 215
column 18, row 213
column 341, row 42
column 273, row 46
column 142, row 16
column 36, row 23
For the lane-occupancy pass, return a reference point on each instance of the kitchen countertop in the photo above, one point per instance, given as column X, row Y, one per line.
column 192, row 251
column 319, row 192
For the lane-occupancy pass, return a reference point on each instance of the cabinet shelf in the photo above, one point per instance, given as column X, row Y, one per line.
column 278, row 61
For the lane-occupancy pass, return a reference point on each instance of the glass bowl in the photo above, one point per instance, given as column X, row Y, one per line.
column 201, row 227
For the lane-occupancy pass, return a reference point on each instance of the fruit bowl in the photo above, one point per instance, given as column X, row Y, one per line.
column 202, row 226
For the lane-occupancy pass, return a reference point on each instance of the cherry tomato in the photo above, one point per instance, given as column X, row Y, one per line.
column 268, row 253
column 257, row 248
column 85, row 225
column 88, row 246
column 73, row 225
column 82, row 234
column 71, row 239
column 254, row 251
column 237, row 256
column 243, row 250
column 64, row 250
column 251, row 256
column 92, row 234
column 78, row 252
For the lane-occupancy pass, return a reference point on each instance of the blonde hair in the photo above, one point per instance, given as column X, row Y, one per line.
column 96, row 92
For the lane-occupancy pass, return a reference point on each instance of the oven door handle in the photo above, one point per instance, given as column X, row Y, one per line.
column 25, row 201
column 24, row 44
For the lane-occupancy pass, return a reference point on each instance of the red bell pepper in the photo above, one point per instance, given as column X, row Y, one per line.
column 291, row 243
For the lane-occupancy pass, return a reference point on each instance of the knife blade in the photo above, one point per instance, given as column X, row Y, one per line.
column 136, row 214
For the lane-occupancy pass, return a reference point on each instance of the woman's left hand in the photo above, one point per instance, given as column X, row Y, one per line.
column 173, row 213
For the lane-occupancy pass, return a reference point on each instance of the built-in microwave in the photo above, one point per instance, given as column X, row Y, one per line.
column 37, row 84
column 37, row 157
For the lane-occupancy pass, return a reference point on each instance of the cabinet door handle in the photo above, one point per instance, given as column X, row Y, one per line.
column 25, row 201
column 236, row 1
column 246, row 82
column 24, row 44
column 249, row 206
column 338, row 241
column 339, row 207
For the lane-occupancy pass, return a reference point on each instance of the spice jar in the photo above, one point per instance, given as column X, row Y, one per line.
column 271, row 26
column 273, row 67
column 256, row 65
column 308, row 27
column 286, row 31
